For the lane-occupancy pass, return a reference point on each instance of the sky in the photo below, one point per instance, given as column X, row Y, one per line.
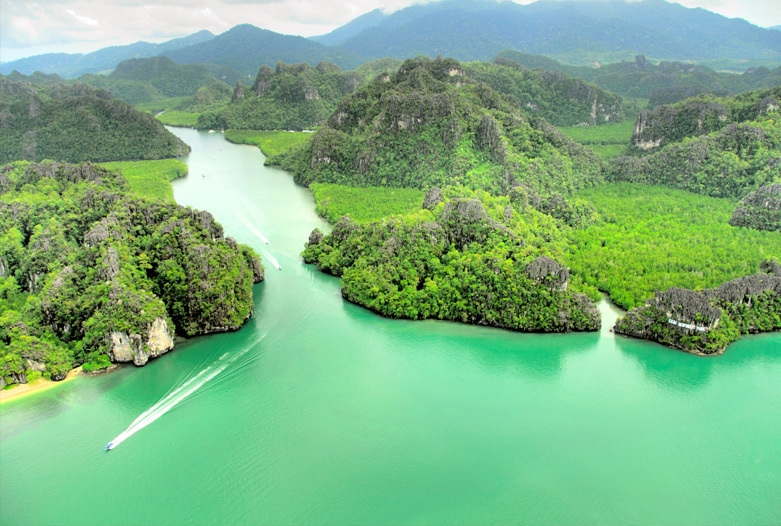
column 80, row 26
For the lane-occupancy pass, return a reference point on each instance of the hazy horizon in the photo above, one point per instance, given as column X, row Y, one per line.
column 78, row 26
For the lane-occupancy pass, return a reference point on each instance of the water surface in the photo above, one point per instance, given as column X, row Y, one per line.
column 333, row 415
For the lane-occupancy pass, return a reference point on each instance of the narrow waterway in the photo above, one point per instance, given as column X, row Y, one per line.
column 318, row 411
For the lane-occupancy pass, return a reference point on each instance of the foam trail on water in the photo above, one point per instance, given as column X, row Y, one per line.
column 176, row 396
column 246, row 222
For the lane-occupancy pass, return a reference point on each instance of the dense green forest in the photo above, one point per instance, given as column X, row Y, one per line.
column 150, row 179
column 90, row 274
column 662, row 83
column 705, row 322
column 699, row 116
column 364, row 205
column 272, row 142
column 608, row 141
column 429, row 124
column 731, row 162
column 455, row 261
column 560, row 99
column 77, row 123
column 292, row 96
column 650, row 238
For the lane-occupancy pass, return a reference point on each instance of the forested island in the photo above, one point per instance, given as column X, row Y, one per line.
column 77, row 123
column 92, row 275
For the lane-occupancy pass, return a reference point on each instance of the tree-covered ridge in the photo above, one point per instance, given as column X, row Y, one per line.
column 91, row 275
column 453, row 261
column 77, row 123
column 652, row 238
column 292, row 96
column 431, row 125
column 706, row 321
column 560, row 99
column 662, row 83
column 760, row 209
column 731, row 162
column 699, row 116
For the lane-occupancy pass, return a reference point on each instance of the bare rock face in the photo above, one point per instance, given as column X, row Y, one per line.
column 689, row 320
column 133, row 348
column 238, row 92
column 547, row 270
column 666, row 124
column 316, row 237
column 760, row 210
column 433, row 198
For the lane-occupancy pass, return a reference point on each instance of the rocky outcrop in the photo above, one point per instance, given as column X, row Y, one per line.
column 432, row 198
column 238, row 92
column 694, row 321
column 547, row 271
column 667, row 124
column 760, row 210
column 139, row 348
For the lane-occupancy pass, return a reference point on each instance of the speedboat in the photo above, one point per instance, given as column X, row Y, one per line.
column 110, row 446
column 279, row 266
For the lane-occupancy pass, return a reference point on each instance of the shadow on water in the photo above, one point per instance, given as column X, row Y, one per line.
column 678, row 370
column 538, row 356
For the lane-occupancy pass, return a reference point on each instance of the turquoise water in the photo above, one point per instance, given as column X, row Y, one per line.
column 332, row 415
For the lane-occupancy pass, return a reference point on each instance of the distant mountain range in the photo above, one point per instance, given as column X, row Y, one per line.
column 245, row 48
column 106, row 59
column 576, row 31
column 587, row 32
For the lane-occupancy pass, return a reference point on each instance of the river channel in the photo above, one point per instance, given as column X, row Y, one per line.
column 328, row 414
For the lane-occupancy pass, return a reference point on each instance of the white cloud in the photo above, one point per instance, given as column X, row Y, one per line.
column 81, row 18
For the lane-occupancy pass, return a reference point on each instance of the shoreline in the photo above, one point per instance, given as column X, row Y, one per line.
column 22, row 390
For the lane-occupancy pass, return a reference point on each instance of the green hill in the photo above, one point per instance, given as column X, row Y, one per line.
column 560, row 99
column 92, row 275
column 429, row 124
column 292, row 96
column 77, row 123
column 662, row 83
column 245, row 47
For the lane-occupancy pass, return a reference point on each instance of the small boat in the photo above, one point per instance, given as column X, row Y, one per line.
column 279, row 266
column 110, row 446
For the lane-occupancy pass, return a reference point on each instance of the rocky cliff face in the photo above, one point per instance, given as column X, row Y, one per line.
column 760, row 210
column 666, row 124
column 138, row 348
column 706, row 321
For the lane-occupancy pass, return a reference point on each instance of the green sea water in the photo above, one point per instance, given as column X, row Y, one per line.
column 324, row 413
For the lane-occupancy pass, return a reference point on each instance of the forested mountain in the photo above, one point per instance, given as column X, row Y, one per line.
column 73, row 65
column 91, row 275
column 731, row 162
column 578, row 31
column 663, row 83
column 428, row 125
column 562, row 100
column 245, row 47
column 463, row 258
column 352, row 28
column 77, row 123
column 699, row 116
column 292, row 96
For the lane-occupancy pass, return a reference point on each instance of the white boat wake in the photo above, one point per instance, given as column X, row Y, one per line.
column 246, row 222
column 178, row 395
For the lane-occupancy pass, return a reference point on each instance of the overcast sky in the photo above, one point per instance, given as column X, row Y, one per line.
column 80, row 26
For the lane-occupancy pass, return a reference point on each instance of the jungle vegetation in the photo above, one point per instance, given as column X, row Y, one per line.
column 77, row 123
column 431, row 125
column 83, row 260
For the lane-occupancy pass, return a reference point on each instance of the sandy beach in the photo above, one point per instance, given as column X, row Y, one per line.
column 41, row 385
